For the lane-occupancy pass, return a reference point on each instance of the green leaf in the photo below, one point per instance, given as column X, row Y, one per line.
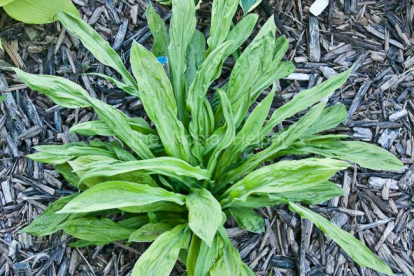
column 3, row 97
column 330, row 118
column 204, row 214
column 182, row 26
column 221, row 20
column 228, row 132
column 98, row 46
column 92, row 128
column 119, row 123
column 247, row 134
column 82, row 243
column 71, row 95
column 208, row 72
column 159, row 32
column 118, row 194
column 96, row 230
column 39, row 11
column 242, row 31
column 195, row 57
column 163, row 206
column 228, row 262
column 249, row 5
column 364, row 154
column 303, row 100
column 282, row 177
column 60, row 154
column 87, row 163
column 168, row 166
column 276, row 70
column 49, row 221
column 311, row 195
column 201, row 257
column 252, row 63
column 5, row 2
column 150, row 232
column 134, row 222
column 248, row 219
column 158, row 100
column 353, row 247
column 62, row 91
column 124, row 87
column 66, row 171
column 280, row 141
column 160, row 257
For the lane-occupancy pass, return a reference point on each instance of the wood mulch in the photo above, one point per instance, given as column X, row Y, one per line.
column 374, row 36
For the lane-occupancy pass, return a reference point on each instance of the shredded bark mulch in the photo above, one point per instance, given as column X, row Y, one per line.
column 374, row 36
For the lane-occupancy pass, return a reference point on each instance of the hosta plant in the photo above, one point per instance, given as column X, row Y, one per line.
column 203, row 158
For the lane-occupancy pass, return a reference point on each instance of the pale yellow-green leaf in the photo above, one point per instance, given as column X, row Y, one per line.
column 39, row 11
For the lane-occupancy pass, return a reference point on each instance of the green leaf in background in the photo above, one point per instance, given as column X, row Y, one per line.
column 159, row 259
column 182, row 26
column 201, row 257
column 248, row 219
column 159, row 32
column 118, row 194
column 204, row 214
column 39, row 11
column 49, row 221
column 158, row 100
column 364, row 154
column 150, row 232
column 249, row 5
column 96, row 230
column 353, row 247
column 98, row 46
